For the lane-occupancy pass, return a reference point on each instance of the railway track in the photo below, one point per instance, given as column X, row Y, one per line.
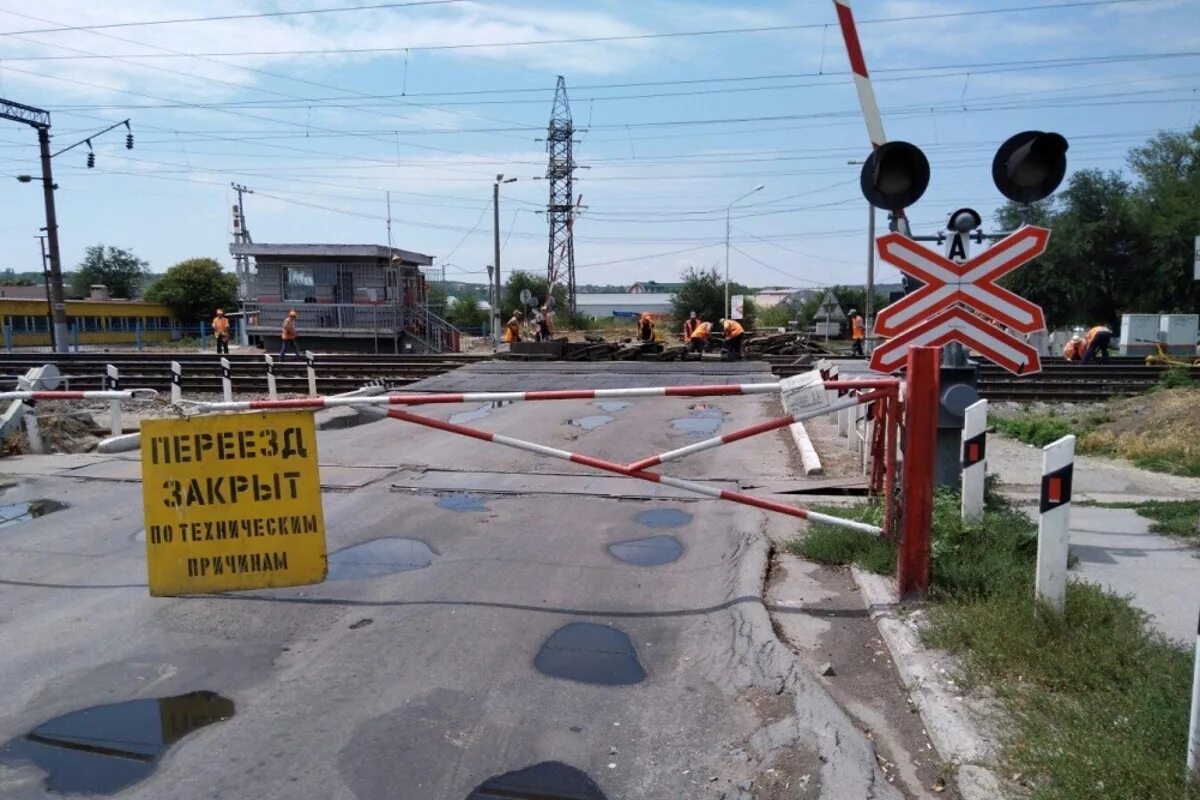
column 201, row 373
column 340, row 372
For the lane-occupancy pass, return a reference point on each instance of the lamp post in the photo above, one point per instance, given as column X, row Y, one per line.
column 496, row 313
column 869, row 300
column 728, row 217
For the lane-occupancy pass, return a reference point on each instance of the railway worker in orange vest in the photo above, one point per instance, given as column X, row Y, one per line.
column 512, row 329
column 1073, row 351
column 689, row 325
column 699, row 336
column 287, row 335
column 220, row 326
column 1096, row 342
column 646, row 328
column 858, row 331
column 734, row 335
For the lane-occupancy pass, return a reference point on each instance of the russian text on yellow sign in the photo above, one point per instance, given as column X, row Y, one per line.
column 232, row 502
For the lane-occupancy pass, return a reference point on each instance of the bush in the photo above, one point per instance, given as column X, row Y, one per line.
column 195, row 288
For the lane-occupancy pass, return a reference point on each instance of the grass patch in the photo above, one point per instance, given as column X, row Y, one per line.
column 1155, row 431
column 1176, row 378
column 827, row 544
column 1179, row 518
column 1099, row 700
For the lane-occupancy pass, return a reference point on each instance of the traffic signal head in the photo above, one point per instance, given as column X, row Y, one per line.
column 964, row 220
column 895, row 176
column 1030, row 166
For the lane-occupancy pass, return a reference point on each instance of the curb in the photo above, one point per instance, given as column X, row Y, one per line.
column 957, row 739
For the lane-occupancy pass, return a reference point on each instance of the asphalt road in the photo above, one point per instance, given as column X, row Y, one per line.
column 424, row 683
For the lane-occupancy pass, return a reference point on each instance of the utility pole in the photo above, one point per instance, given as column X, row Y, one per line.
column 496, row 312
column 49, row 300
column 728, row 227
column 40, row 119
column 561, row 208
column 242, row 262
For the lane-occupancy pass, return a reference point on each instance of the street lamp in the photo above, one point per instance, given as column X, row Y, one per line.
column 728, row 211
column 496, row 252
column 869, row 300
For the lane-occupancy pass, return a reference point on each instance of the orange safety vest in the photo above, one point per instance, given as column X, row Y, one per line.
column 856, row 327
column 689, row 325
column 288, row 331
column 733, row 328
column 702, row 331
column 1087, row 340
column 220, row 326
column 512, row 331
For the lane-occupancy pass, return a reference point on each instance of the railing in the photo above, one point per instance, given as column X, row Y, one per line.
column 428, row 330
column 328, row 316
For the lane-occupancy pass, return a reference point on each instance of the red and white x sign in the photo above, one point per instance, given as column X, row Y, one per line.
column 971, row 283
column 959, row 325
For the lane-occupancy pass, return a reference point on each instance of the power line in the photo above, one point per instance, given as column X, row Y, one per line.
column 228, row 17
column 643, row 36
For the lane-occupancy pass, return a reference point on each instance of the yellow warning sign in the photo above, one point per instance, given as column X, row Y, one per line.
column 232, row 502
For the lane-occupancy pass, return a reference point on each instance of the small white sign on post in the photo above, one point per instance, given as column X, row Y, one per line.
column 226, row 381
column 737, row 306
column 804, row 393
column 270, row 377
column 1054, row 523
column 974, row 460
column 112, row 382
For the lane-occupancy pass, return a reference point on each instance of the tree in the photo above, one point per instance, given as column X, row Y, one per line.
column 704, row 292
column 465, row 312
column 777, row 316
column 195, row 288
column 118, row 269
column 537, row 286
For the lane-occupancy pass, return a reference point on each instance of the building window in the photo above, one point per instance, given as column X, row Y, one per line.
column 298, row 284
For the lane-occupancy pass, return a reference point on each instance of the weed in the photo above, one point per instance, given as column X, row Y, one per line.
column 1036, row 429
column 1098, row 698
column 1176, row 378
column 828, row 544
column 1171, row 517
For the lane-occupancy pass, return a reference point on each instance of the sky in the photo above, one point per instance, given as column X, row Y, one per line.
column 681, row 108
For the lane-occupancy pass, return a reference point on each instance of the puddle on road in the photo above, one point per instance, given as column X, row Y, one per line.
column 550, row 780
column 106, row 749
column 652, row 552
column 589, row 653
column 703, row 421
column 16, row 513
column 379, row 557
column 462, row 501
column 611, row 406
column 663, row 518
column 591, row 423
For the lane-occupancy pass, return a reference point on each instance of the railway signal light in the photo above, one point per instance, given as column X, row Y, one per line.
column 895, row 176
column 1030, row 166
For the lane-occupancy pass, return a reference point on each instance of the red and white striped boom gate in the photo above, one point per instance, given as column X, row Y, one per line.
column 882, row 393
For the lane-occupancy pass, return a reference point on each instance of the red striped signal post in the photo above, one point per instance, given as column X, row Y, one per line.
column 920, row 442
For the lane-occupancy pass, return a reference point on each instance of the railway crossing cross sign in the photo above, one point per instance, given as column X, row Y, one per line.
column 962, row 303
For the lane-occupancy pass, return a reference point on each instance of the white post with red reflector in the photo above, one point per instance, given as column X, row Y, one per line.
column 1193, row 751
column 974, row 460
column 1054, row 523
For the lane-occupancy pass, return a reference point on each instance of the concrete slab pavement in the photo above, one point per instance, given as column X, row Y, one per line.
column 421, row 684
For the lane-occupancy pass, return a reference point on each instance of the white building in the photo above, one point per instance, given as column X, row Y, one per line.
column 627, row 305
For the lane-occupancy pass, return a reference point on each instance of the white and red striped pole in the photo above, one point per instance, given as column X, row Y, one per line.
column 974, row 460
column 862, row 84
column 702, row 390
column 746, row 433
column 620, row 469
column 1054, row 523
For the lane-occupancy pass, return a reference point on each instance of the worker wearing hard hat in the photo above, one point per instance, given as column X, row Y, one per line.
column 1095, row 344
column 734, row 335
column 220, row 327
column 858, row 331
column 698, row 339
column 1073, row 351
column 287, row 335
column 512, row 329
column 646, row 328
